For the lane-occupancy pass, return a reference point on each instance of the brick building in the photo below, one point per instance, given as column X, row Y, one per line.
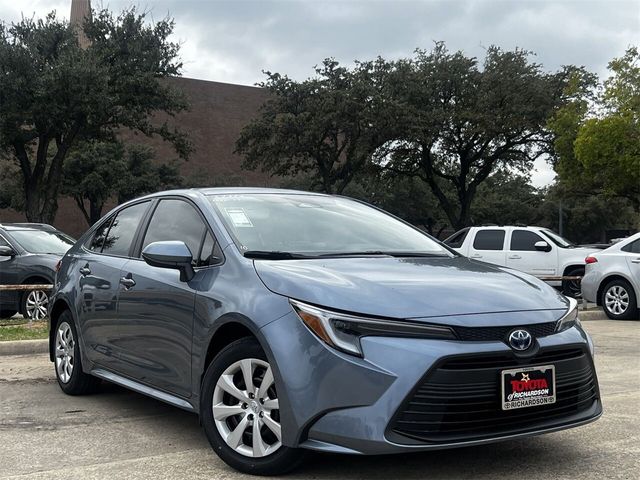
column 217, row 114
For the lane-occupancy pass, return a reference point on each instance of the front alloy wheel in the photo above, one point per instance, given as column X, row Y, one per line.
column 36, row 304
column 246, row 410
column 65, row 351
column 240, row 411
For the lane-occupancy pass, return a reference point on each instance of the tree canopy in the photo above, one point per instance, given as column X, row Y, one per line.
column 96, row 172
column 441, row 116
column 54, row 94
column 597, row 134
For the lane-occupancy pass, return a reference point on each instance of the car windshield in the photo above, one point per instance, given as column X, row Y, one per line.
column 38, row 241
column 557, row 239
column 314, row 225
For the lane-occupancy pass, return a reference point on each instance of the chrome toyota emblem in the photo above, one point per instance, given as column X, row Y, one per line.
column 520, row 340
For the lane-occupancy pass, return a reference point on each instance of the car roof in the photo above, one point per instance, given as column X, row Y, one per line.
column 236, row 190
column 43, row 227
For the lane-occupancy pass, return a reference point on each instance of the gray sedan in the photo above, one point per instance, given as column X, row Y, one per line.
column 292, row 321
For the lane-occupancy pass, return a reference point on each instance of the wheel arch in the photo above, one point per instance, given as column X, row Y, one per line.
column 571, row 266
column 610, row 278
column 226, row 333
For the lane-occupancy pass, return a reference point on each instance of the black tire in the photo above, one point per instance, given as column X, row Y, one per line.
column 78, row 383
column 571, row 288
column 617, row 289
column 284, row 459
column 6, row 313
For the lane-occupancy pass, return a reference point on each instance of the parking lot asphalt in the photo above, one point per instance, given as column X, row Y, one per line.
column 120, row 434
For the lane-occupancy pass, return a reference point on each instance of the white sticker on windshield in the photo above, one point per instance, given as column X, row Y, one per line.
column 238, row 217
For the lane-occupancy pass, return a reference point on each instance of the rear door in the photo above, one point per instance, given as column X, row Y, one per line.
column 98, row 271
column 523, row 255
column 488, row 245
column 156, row 310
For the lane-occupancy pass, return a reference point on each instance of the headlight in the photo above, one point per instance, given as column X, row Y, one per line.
column 570, row 319
column 343, row 332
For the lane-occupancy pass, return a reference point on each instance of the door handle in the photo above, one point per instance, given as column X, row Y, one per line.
column 475, row 255
column 84, row 271
column 635, row 260
column 127, row 281
column 514, row 257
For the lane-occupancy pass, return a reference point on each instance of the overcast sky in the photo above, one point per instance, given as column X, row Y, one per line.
column 233, row 41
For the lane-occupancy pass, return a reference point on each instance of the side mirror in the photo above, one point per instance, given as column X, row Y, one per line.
column 6, row 251
column 174, row 254
column 542, row 246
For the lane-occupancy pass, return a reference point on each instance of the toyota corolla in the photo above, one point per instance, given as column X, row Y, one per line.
column 293, row 321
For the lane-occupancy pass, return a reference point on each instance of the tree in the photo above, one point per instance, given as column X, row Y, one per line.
column 464, row 123
column 54, row 93
column 327, row 127
column 597, row 134
column 95, row 172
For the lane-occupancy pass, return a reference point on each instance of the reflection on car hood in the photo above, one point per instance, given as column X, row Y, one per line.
column 408, row 287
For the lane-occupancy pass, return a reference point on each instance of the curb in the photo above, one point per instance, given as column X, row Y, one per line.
column 595, row 314
column 24, row 347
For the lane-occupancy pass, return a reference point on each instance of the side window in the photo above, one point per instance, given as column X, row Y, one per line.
column 4, row 243
column 524, row 240
column 123, row 229
column 457, row 239
column 96, row 242
column 633, row 247
column 489, row 240
column 176, row 220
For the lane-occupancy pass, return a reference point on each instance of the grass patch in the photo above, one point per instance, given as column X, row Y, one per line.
column 20, row 329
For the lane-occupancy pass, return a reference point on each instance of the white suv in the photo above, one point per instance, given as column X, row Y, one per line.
column 535, row 250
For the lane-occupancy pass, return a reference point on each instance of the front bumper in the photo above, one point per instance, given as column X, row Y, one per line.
column 335, row 402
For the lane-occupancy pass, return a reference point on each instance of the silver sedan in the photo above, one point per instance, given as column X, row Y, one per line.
column 612, row 279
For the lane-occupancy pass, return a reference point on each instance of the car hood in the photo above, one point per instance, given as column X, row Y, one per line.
column 408, row 287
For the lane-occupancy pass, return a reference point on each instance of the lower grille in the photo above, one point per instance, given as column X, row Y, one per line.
column 460, row 399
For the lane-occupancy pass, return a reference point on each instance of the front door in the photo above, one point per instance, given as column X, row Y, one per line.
column 523, row 255
column 156, row 308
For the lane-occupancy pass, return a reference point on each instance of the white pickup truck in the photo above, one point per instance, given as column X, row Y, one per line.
column 535, row 250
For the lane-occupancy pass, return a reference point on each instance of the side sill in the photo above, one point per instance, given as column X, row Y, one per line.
column 143, row 389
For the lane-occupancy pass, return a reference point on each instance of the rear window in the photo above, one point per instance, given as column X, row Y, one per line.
column 123, row 230
column 633, row 247
column 489, row 240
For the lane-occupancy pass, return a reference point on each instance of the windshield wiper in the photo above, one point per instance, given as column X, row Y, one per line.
column 384, row 254
column 274, row 255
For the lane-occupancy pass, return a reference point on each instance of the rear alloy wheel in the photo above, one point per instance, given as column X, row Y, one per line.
column 35, row 305
column 619, row 300
column 241, row 411
column 66, row 352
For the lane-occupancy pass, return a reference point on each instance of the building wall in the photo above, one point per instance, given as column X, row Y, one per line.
column 218, row 113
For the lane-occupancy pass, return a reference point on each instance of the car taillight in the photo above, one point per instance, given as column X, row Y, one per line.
column 58, row 265
column 590, row 259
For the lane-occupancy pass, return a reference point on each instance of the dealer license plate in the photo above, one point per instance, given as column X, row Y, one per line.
column 528, row 387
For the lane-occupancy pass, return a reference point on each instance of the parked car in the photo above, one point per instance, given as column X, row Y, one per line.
column 534, row 250
column 612, row 279
column 29, row 253
column 294, row 321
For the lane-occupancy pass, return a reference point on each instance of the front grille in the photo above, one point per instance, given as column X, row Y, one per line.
column 486, row 334
column 460, row 400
